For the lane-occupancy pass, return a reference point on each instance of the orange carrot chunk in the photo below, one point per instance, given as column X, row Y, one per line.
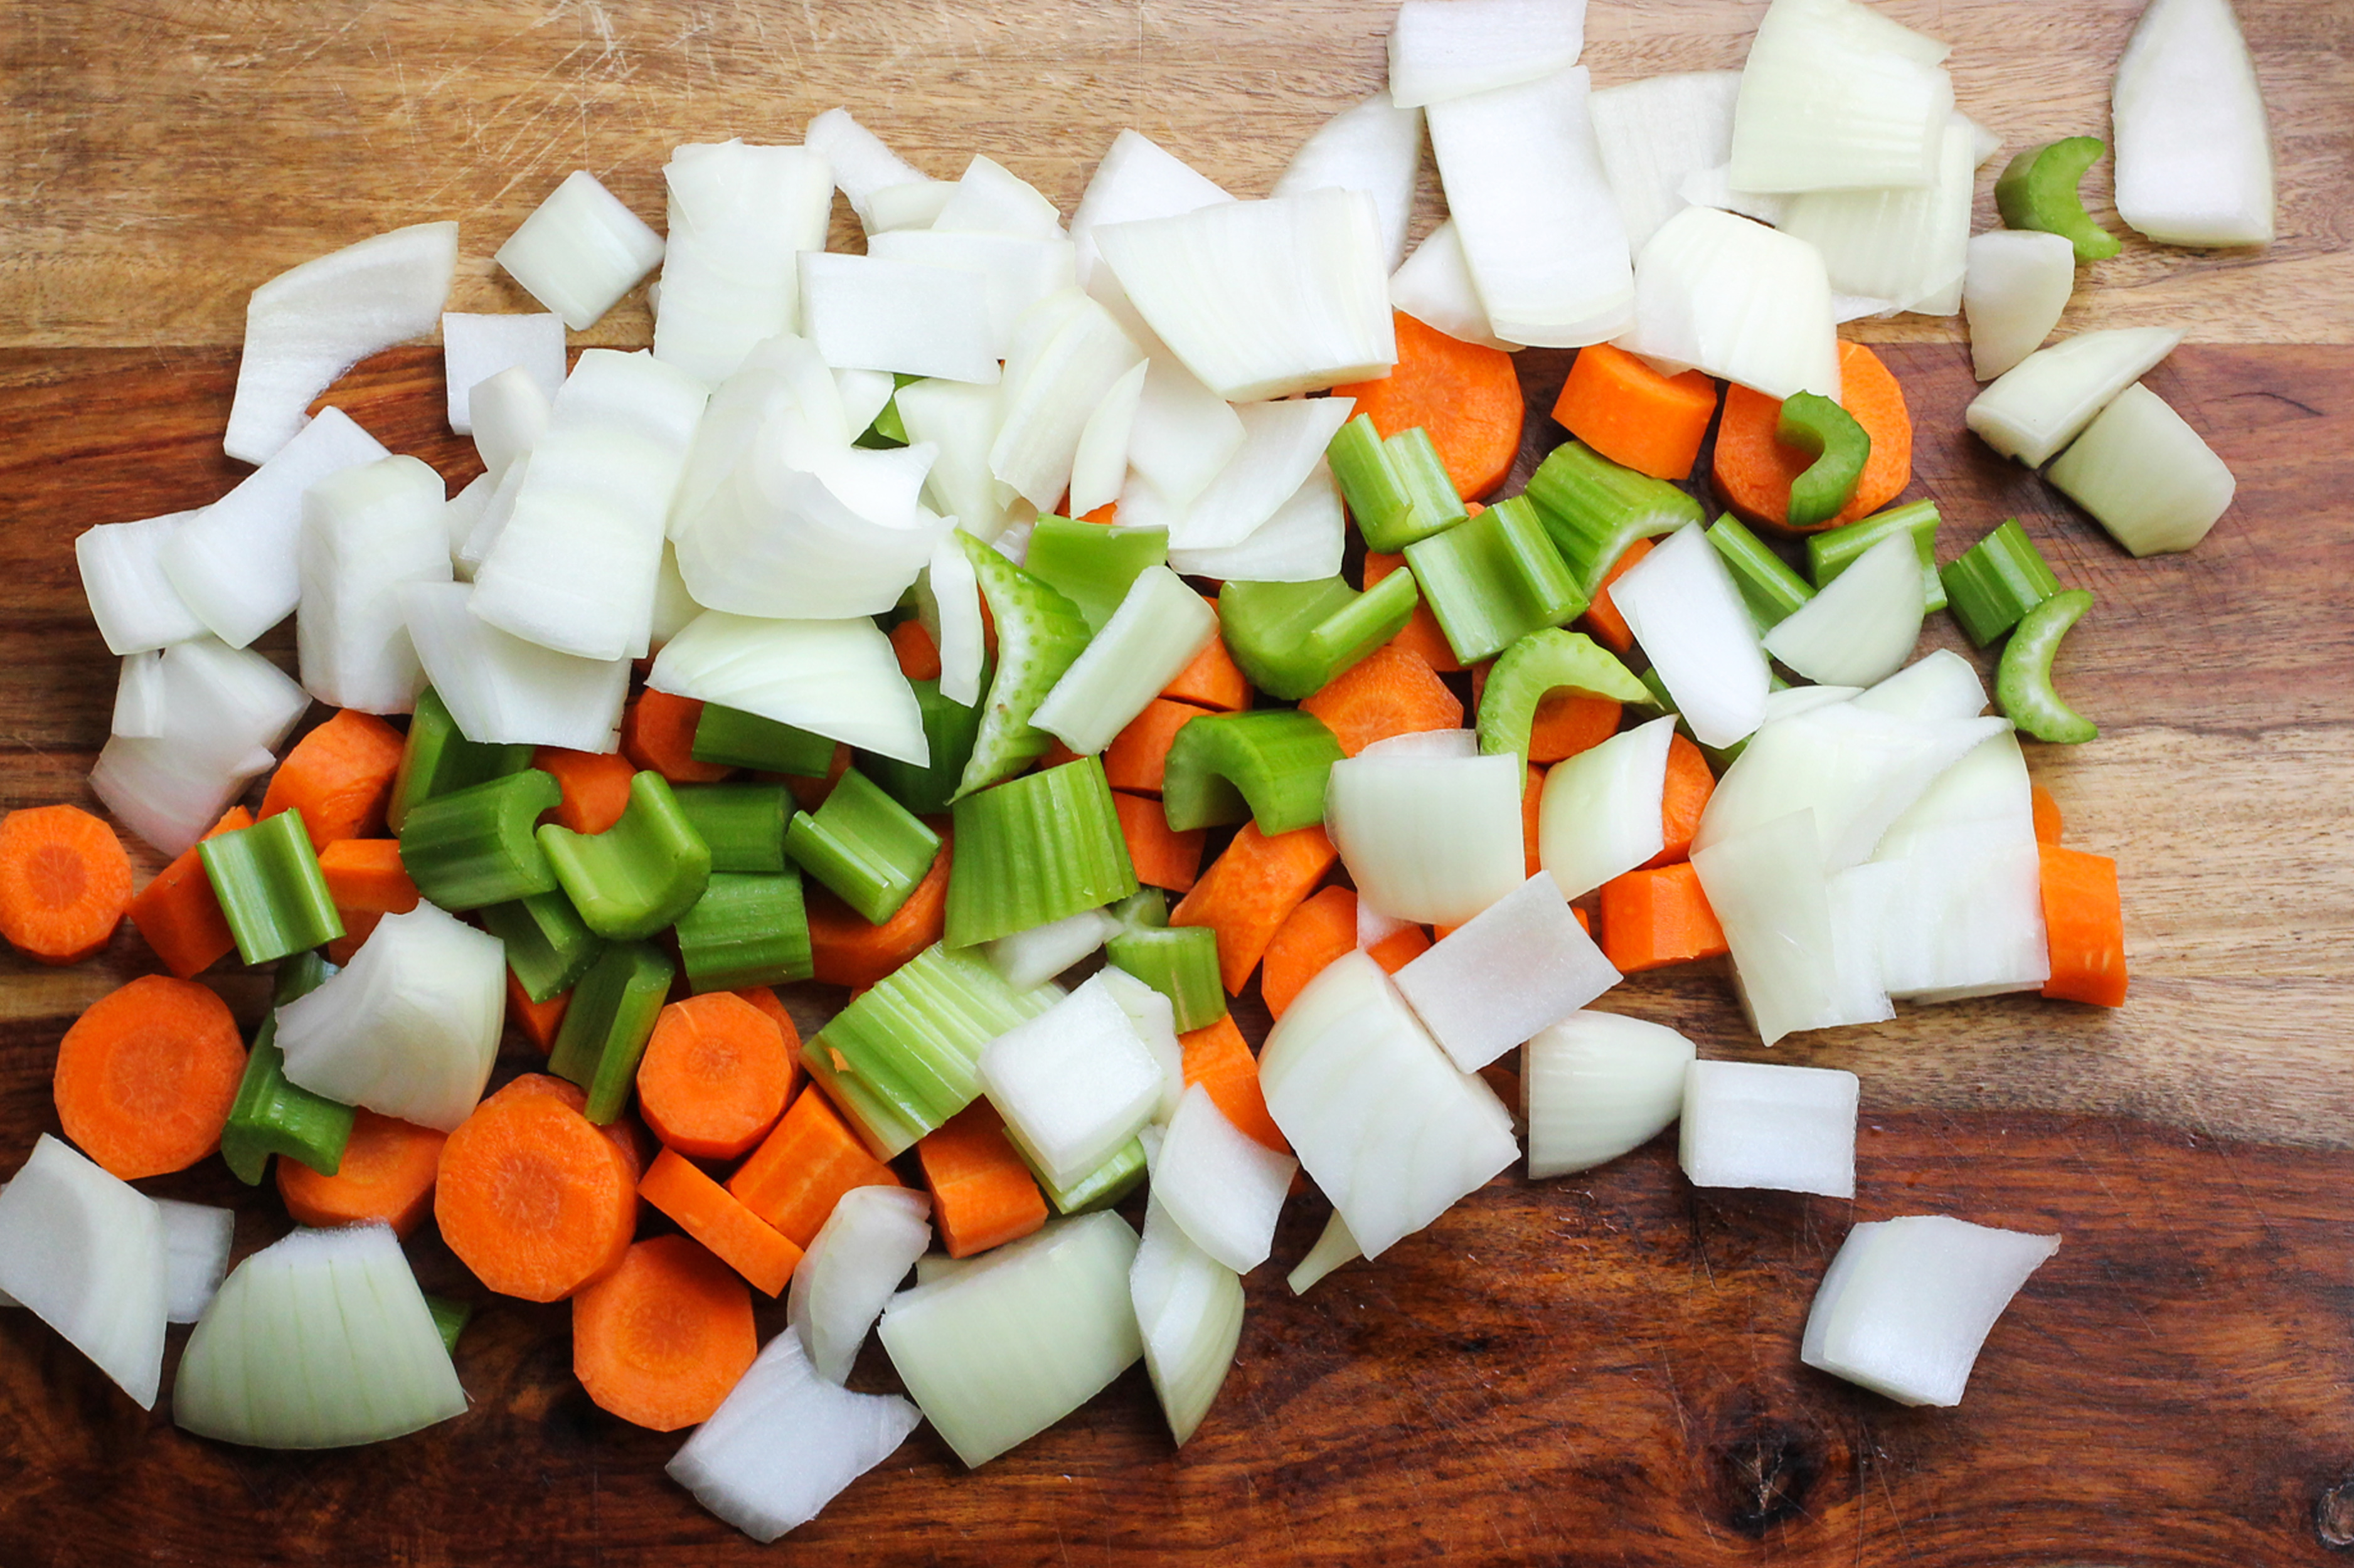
column 1250, row 890
column 714, row 1077
column 847, row 949
column 622, row 1132
column 1213, row 680
column 533, row 1197
column 1162, row 857
column 1467, row 395
column 179, row 917
column 147, row 1075
column 388, row 1174
column 1422, row 634
column 65, row 882
column 1400, row 947
column 1653, row 918
column 1567, row 723
column 1602, row 618
column 704, row 1210
column 982, row 1194
column 1633, row 415
column 2047, row 815
column 367, row 875
column 767, row 1000
column 809, row 794
column 1138, row 756
column 359, row 924
column 596, row 786
column 658, row 732
column 794, row 1178
column 2085, row 924
column 1531, row 818
column 339, row 777
column 1688, row 786
column 1752, row 470
column 661, row 1339
column 539, row 1020
column 919, row 659
column 1219, row 1060
column 1391, row 690
column 1320, row 930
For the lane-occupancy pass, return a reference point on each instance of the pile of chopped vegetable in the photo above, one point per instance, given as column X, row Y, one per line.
column 917, row 621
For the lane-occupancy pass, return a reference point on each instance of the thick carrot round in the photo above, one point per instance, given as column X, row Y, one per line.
column 714, row 1075
column 533, row 1198
column 661, row 1339
column 1652, row 919
column 622, row 1132
column 1602, row 618
column 794, row 1178
column 146, row 1077
column 847, row 949
column 1688, row 784
column 1391, row 690
column 767, row 1000
column 982, row 1194
column 1320, row 930
column 1218, row 1058
column 1422, row 635
column 919, row 659
column 596, row 786
column 1752, row 470
column 1248, row 892
column 1139, row 756
column 704, row 1210
column 658, row 732
column 1633, row 415
column 339, row 777
column 178, row 914
column 2084, row 926
column 386, row 1174
column 1162, row 857
column 367, row 875
column 1467, row 395
column 65, row 882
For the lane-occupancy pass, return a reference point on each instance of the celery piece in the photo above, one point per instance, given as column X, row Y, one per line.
column 608, row 1023
column 1290, row 639
column 1436, row 504
column 746, row 930
column 1039, row 633
column 549, row 947
column 438, row 760
column 1815, row 424
column 1035, row 849
column 2022, row 681
column 638, row 875
column 270, row 892
column 1370, row 485
column 450, row 1318
column 949, row 729
column 1180, row 962
column 2037, row 189
column 1107, row 1184
column 1834, row 550
column 743, row 824
column 888, row 428
column 863, row 844
column 1494, row 578
column 1145, row 909
column 905, row 1056
column 1997, row 580
column 1770, row 589
column 474, row 846
column 1268, row 765
column 1091, row 564
column 1595, row 508
column 733, row 738
column 1537, row 665
column 272, row 1116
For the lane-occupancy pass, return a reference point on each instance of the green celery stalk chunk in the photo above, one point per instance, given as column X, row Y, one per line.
column 1107, row 1184
column 1268, row 765
column 889, row 428
column 1535, row 667
column 731, row 738
column 606, row 1025
column 1815, row 424
column 1494, row 578
column 2022, row 682
column 1770, row 590
column 1436, row 504
column 951, row 729
column 1033, row 850
column 549, row 947
column 1180, row 962
column 1145, row 909
column 866, row 847
column 2039, row 189
column 745, row 930
column 1996, row 581
column 1834, row 550
column 742, row 824
column 1371, row 486
column 270, row 890
column 438, row 760
column 272, row 1116
column 1292, row 639
column 1092, row 565
column 1595, row 508
column 638, row 875
column 1040, row 634
column 450, row 1318
column 474, row 846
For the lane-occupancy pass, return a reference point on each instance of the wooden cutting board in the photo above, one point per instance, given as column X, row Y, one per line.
column 1597, row 1369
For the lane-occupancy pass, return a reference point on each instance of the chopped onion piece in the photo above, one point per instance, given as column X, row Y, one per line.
column 674, row 605
column 224, row 711
column 1519, row 965
column 1189, row 1313
column 197, row 1238
column 864, row 395
column 1185, row 435
column 2145, row 474
column 581, row 251
column 1283, row 445
column 1029, row 958
column 860, row 1256
column 1751, row 1124
column 1435, row 288
column 1154, row 1017
column 310, row 323
column 1861, row 627
column 1390, row 1130
column 2194, row 154
column 839, row 679
column 2044, row 401
column 510, row 412
column 130, row 598
column 1375, row 147
column 1303, row 543
column 1222, row 1186
column 990, row 198
column 1099, row 464
column 1737, row 300
column 1680, row 603
column 84, row 1251
column 1768, row 889
column 1160, row 628
column 1713, row 188
column 1430, row 839
column 1442, row 49
column 139, row 698
column 910, row 207
column 1074, row 1083
column 869, row 313
column 1596, row 1084
column 1016, row 270
column 1836, row 96
column 1902, row 246
column 1373, row 928
column 999, row 1351
column 1940, row 684
column 502, row 690
column 365, row 531
column 475, row 348
column 949, row 598
column 1057, row 377
column 862, row 164
column 1138, row 178
column 959, row 421
column 736, row 213
column 1907, row 1303
column 1600, row 815
column 2013, row 291
column 1334, row 1246
column 1654, row 133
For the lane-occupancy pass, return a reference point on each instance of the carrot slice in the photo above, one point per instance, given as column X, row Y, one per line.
column 179, row 917
column 386, row 1174
column 1162, row 858
column 622, row 1132
column 1219, row 1060
column 368, row 874
column 1688, row 786
column 1652, row 919
column 538, row 1020
column 1320, row 930
column 1467, row 395
column 339, row 777
column 1753, row 470
column 1391, row 690
column 2047, row 815
column 1250, row 890
column 147, row 1075
column 1567, row 723
column 847, row 949
column 1532, row 814
column 982, row 1194
column 1400, row 947
column 794, row 1178
column 661, row 1339
column 658, row 732
column 596, row 786
column 809, row 794
column 1633, row 415
column 919, row 659
column 1603, row 621
column 359, row 924
column 1139, row 756
column 2085, row 924
column 714, row 1075
column 533, row 1197
column 767, row 1000
column 704, row 1210
column 65, row 882
column 1422, row 634
column 1213, row 680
